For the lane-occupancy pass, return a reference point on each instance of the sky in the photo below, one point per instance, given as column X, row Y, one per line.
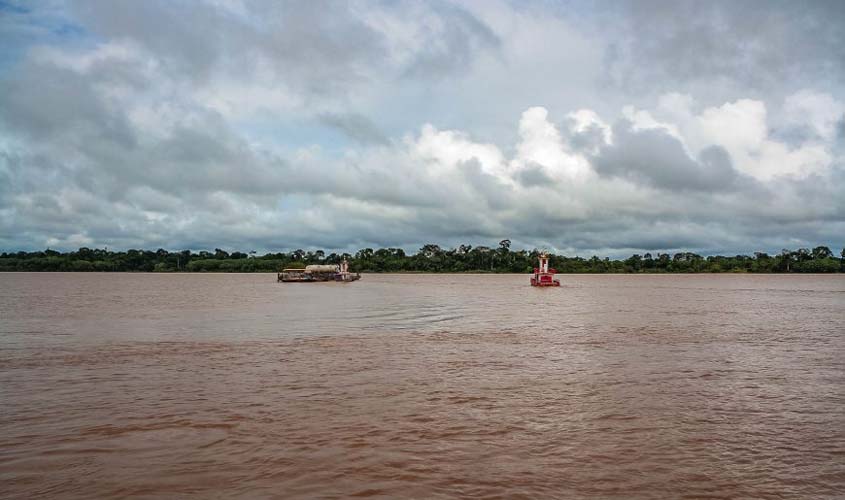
column 605, row 128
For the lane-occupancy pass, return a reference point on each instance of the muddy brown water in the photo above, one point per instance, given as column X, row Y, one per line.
column 423, row 386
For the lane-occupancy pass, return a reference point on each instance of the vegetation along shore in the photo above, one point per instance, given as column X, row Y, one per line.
column 430, row 258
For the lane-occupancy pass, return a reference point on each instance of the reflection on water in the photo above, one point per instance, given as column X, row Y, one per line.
column 116, row 385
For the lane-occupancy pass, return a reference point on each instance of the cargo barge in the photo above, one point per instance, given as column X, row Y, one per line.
column 318, row 273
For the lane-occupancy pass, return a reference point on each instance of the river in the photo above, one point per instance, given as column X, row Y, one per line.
column 424, row 386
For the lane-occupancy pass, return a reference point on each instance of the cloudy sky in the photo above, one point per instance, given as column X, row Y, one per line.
column 608, row 128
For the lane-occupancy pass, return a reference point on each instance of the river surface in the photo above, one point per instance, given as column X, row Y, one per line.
column 423, row 386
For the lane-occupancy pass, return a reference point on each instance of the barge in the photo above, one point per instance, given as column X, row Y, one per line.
column 318, row 273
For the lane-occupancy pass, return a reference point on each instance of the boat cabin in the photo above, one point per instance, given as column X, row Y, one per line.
column 543, row 276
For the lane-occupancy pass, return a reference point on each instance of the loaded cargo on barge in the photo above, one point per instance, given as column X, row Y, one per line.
column 318, row 273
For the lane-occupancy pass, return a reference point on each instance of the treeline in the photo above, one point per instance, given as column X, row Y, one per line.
column 430, row 258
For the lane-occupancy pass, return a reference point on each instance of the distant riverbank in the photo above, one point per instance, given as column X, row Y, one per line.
column 429, row 259
column 655, row 272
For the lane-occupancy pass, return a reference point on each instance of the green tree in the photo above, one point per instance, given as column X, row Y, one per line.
column 821, row 252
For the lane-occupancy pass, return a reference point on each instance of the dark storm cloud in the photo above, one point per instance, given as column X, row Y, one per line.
column 655, row 157
column 495, row 194
column 192, row 38
column 46, row 103
column 312, row 48
column 461, row 38
column 534, row 175
column 590, row 139
column 61, row 109
column 759, row 42
column 317, row 48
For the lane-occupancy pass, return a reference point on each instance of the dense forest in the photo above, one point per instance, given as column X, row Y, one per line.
column 430, row 258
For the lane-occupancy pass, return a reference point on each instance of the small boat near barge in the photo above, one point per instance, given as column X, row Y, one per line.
column 318, row 273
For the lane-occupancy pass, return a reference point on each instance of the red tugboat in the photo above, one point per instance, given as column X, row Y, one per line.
column 543, row 276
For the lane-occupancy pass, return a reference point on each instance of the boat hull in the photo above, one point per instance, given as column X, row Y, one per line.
column 536, row 282
column 317, row 278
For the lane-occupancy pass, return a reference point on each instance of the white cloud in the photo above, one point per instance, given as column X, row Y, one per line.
column 742, row 127
column 541, row 144
column 448, row 148
column 817, row 110
column 643, row 120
